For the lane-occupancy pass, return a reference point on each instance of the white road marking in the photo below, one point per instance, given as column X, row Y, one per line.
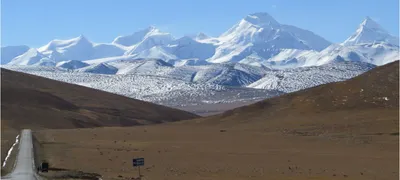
column 10, row 150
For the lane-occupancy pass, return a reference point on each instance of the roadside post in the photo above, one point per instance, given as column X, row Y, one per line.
column 137, row 162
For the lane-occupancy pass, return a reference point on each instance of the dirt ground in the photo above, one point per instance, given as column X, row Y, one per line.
column 182, row 151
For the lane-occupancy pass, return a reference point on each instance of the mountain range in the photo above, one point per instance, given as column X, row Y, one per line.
column 258, row 40
column 194, row 87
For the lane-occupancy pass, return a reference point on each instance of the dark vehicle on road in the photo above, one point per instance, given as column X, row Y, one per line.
column 44, row 167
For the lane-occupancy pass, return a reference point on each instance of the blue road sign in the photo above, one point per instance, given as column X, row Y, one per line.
column 138, row 162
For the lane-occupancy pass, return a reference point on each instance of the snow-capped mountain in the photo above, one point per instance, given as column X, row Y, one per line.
column 152, row 37
column 261, row 35
column 79, row 48
column 370, row 43
column 370, row 32
column 257, row 40
column 159, row 45
column 151, row 43
column 135, row 38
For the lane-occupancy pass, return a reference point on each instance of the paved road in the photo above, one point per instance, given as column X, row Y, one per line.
column 25, row 167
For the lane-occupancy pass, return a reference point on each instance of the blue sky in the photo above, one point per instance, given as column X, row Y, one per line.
column 36, row 22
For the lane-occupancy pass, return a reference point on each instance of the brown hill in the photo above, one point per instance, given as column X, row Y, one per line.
column 368, row 103
column 29, row 101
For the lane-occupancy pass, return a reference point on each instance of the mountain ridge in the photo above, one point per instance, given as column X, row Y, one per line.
column 256, row 39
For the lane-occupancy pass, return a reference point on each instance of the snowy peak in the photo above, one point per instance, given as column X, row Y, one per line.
column 139, row 36
column 250, row 25
column 260, row 35
column 371, row 24
column 79, row 48
column 370, row 31
column 134, row 38
column 261, row 19
column 153, row 31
